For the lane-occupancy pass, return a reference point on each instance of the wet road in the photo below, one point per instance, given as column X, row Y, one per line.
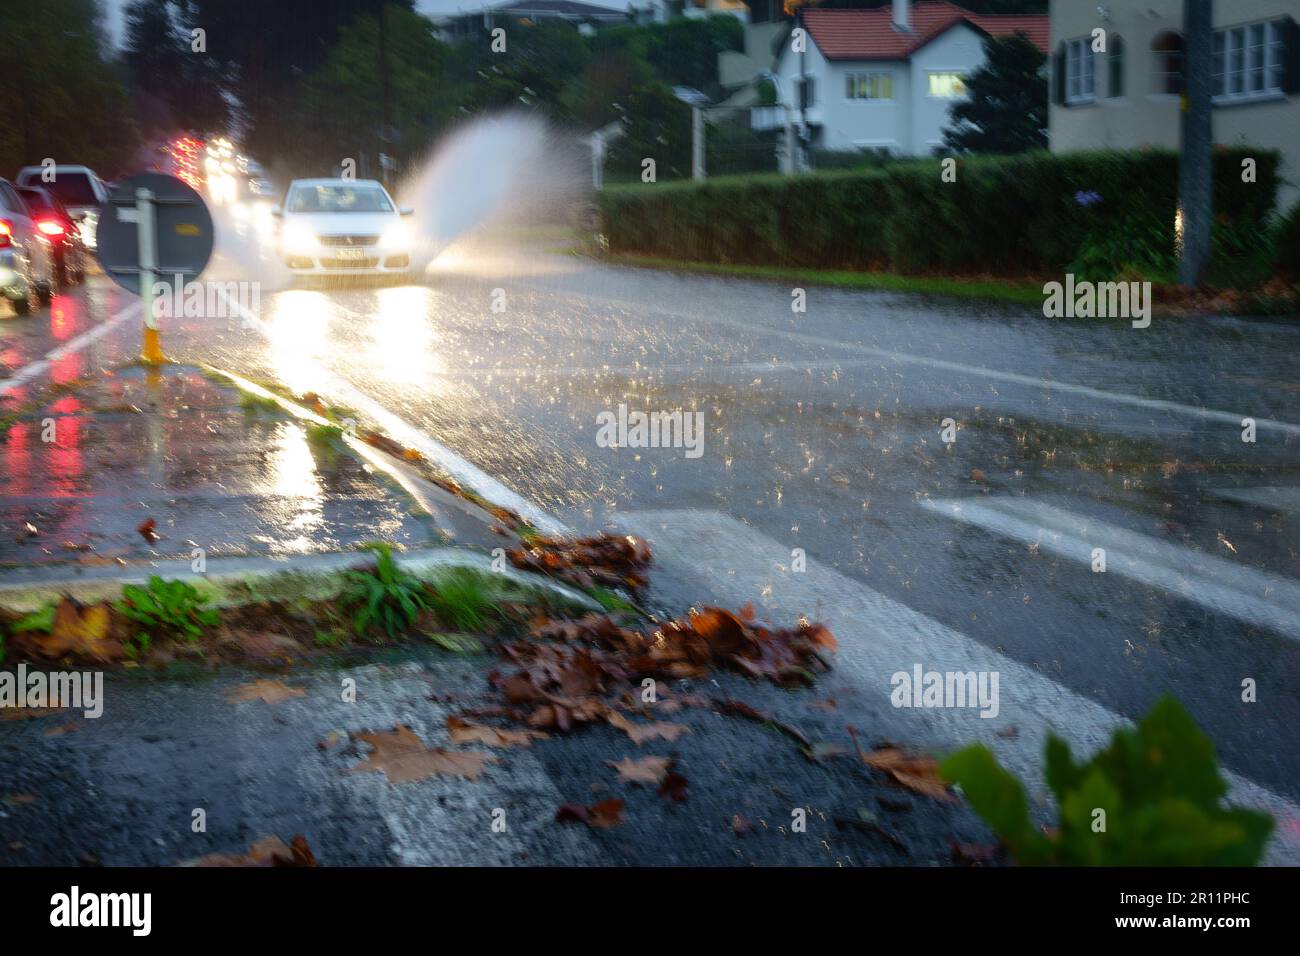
column 822, row 433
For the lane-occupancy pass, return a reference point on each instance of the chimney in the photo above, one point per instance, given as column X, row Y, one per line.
column 902, row 21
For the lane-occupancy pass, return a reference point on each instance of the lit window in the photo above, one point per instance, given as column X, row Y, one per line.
column 947, row 86
column 869, row 86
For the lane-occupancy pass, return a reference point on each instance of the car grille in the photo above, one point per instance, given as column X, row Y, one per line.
column 348, row 240
column 349, row 263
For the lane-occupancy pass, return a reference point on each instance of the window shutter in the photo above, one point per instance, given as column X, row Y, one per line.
column 1291, row 55
column 1058, row 76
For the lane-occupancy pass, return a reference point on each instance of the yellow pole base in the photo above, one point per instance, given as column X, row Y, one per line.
column 153, row 347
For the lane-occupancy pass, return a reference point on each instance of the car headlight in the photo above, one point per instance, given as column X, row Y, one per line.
column 298, row 239
column 396, row 236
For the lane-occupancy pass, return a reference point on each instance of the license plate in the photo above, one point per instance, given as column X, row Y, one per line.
column 350, row 253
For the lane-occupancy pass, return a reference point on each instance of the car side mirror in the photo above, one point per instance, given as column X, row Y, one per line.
column 406, row 211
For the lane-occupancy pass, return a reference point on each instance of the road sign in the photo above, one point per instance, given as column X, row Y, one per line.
column 182, row 231
column 153, row 227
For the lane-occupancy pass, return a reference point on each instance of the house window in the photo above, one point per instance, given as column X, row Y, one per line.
column 869, row 86
column 1080, row 78
column 1167, row 71
column 807, row 92
column 1248, row 61
column 1115, row 68
column 947, row 86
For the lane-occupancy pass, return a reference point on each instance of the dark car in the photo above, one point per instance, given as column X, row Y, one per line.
column 57, row 225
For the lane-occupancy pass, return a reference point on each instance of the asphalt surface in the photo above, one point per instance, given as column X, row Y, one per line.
column 822, row 432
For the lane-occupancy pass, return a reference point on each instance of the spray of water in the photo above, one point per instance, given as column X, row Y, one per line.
column 491, row 174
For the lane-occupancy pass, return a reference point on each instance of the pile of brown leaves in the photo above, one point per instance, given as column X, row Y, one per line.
column 603, row 560
column 571, row 672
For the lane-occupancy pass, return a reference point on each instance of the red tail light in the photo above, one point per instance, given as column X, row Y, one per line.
column 51, row 227
column 6, row 230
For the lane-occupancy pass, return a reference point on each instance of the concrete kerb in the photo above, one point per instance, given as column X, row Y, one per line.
column 230, row 582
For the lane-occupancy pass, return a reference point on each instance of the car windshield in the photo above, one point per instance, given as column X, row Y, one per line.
column 73, row 189
column 339, row 199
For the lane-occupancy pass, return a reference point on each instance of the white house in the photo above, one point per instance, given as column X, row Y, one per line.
column 1125, row 92
column 884, row 78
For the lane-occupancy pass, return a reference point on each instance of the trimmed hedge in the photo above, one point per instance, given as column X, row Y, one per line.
column 1012, row 216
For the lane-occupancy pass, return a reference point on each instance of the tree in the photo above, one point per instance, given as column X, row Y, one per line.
column 68, row 101
column 191, row 85
column 1006, row 107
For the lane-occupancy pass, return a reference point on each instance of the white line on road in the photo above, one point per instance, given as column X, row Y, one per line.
column 1255, row 597
column 878, row 636
column 439, row 454
column 30, row 371
column 905, row 358
column 1274, row 499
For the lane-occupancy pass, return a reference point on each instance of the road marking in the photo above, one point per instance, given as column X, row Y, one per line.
column 1273, row 499
column 33, row 369
column 734, row 564
column 906, row 358
column 1256, row 597
column 462, row 471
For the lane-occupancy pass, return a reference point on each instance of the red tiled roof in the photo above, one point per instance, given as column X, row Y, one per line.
column 871, row 35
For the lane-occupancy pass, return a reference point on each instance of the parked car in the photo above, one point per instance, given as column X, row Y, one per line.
column 54, row 222
column 26, row 260
column 78, row 188
column 343, row 227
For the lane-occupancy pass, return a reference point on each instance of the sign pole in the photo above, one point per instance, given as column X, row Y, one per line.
column 148, row 239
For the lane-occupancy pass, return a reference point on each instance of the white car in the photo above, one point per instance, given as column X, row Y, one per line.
column 77, row 187
column 343, row 227
column 27, row 276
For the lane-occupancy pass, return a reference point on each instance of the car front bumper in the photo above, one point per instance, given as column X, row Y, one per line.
column 364, row 262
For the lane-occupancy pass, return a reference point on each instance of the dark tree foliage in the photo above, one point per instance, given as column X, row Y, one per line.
column 65, row 97
column 178, row 87
column 1006, row 107
column 974, row 6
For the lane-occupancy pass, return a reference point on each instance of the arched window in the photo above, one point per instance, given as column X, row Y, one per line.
column 1167, row 68
column 1115, row 68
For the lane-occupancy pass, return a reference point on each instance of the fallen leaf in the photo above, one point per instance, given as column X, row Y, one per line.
column 916, row 772
column 269, row 851
column 643, row 733
column 63, row 729
column 267, row 691
column 147, row 530
column 674, row 787
column 81, row 631
column 402, row 756
column 600, row 816
column 645, row 770
column 19, row 799
column 464, row 732
column 27, row 713
column 740, row 826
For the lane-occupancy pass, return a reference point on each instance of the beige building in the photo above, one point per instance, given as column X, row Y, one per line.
column 1128, row 94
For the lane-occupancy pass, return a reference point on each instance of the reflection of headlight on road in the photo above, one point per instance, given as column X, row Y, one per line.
column 298, row 240
column 396, row 236
column 87, row 229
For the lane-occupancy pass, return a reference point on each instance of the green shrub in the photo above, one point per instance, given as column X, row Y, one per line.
column 463, row 598
column 1286, row 244
column 1004, row 215
column 1157, row 783
column 165, row 609
column 385, row 596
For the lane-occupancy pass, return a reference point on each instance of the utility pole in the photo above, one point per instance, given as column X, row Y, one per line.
column 1195, row 160
column 386, row 130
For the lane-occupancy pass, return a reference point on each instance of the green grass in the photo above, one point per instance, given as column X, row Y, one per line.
column 1018, row 292
column 256, row 403
column 324, row 434
column 464, row 598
